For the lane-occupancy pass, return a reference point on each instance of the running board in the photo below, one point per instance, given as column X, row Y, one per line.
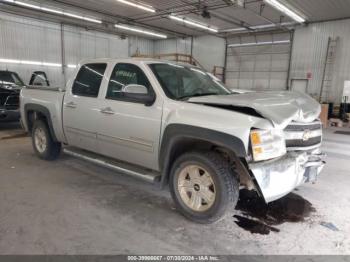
column 146, row 175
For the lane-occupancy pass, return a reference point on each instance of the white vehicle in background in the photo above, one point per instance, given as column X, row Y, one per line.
column 176, row 124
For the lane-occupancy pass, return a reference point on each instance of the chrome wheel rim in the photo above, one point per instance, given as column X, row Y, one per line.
column 196, row 188
column 40, row 140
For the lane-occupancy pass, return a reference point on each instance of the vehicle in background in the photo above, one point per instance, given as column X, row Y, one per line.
column 39, row 78
column 177, row 125
column 10, row 87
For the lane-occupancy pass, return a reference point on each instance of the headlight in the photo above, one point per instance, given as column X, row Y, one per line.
column 267, row 144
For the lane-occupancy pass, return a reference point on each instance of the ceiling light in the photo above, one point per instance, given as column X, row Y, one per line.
column 27, row 62
column 193, row 23
column 137, row 5
column 238, row 29
column 260, row 43
column 285, row 10
column 139, row 30
column 55, row 11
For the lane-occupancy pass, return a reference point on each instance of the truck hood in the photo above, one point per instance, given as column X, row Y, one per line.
column 280, row 107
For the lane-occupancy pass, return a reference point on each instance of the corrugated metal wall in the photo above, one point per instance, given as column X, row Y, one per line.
column 208, row 50
column 26, row 39
column 168, row 46
column 258, row 67
column 32, row 40
column 309, row 56
column 139, row 45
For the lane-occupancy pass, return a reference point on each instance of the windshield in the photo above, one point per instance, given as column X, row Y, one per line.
column 10, row 78
column 182, row 82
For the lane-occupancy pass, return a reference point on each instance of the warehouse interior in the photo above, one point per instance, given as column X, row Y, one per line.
column 76, row 208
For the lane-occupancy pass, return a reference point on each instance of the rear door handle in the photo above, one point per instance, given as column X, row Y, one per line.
column 71, row 105
column 107, row 111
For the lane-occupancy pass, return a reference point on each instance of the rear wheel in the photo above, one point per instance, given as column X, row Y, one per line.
column 44, row 146
column 203, row 186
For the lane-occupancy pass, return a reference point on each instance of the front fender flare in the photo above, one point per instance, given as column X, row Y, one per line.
column 175, row 133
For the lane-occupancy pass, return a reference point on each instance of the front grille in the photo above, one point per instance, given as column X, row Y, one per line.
column 303, row 135
column 9, row 99
column 301, row 127
column 12, row 103
column 300, row 143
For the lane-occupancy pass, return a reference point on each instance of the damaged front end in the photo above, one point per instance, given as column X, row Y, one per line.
column 302, row 163
column 288, row 154
column 278, row 177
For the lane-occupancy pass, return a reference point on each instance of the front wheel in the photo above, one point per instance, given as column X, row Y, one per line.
column 203, row 186
column 44, row 146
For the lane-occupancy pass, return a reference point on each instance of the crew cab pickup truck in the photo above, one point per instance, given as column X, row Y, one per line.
column 178, row 125
column 10, row 86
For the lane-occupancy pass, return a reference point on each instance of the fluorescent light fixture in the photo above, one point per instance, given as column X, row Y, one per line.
column 193, row 23
column 55, row 11
column 27, row 62
column 82, row 18
column 71, row 66
column 27, row 5
column 276, row 4
column 239, row 29
column 281, row 42
column 138, row 5
column 139, row 30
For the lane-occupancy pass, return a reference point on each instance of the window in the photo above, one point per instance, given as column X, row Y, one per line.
column 39, row 78
column 89, row 80
column 182, row 82
column 10, row 78
column 125, row 74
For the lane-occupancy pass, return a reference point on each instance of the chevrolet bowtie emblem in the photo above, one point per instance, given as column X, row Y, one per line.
column 306, row 135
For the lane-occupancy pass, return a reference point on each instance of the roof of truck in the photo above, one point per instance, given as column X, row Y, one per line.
column 133, row 59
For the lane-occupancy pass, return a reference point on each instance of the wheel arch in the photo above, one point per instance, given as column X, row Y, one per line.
column 33, row 112
column 180, row 138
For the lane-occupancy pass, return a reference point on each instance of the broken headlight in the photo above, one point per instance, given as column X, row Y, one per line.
column 267, row 144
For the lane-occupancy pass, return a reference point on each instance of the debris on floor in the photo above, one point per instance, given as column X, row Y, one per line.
column 20, row 135
column 329, row 225
column 342, row 132
column 335, row 122
column 254, row 226
column 260, row 217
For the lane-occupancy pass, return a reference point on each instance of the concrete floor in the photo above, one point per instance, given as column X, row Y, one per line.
column 72, row 207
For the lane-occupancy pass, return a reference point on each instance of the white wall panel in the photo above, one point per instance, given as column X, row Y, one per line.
column 258, row 67
column 175, row 45
column 80, row 44
column 209, row 51
column 309, row 55
column 27, row 39
column 139, row 45
column 34, row 40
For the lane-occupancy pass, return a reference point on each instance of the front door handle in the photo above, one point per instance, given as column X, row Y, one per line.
column 71, row 105
column 107, row 111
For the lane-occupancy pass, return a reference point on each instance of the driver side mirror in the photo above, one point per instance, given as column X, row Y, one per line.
column 139, row 94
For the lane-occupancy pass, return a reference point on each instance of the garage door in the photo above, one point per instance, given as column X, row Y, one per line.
column 258, row 62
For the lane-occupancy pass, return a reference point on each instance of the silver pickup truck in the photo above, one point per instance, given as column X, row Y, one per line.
column 177, row 125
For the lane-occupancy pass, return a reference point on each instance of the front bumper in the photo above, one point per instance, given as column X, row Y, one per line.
column 9, row 115
column 278, row 177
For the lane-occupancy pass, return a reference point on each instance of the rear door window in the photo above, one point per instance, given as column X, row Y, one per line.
column 89, row 79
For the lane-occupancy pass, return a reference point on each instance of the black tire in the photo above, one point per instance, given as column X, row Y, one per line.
column 52, row 150
column 226, row 186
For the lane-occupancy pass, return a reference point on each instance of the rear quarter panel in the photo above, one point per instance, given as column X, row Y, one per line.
column 51, row 100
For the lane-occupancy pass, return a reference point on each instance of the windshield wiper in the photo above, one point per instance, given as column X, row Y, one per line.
column 196, row 95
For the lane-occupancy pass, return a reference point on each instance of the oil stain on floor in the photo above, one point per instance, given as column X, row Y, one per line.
column 261, row 218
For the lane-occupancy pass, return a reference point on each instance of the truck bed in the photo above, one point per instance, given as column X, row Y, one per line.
column 50, row 98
